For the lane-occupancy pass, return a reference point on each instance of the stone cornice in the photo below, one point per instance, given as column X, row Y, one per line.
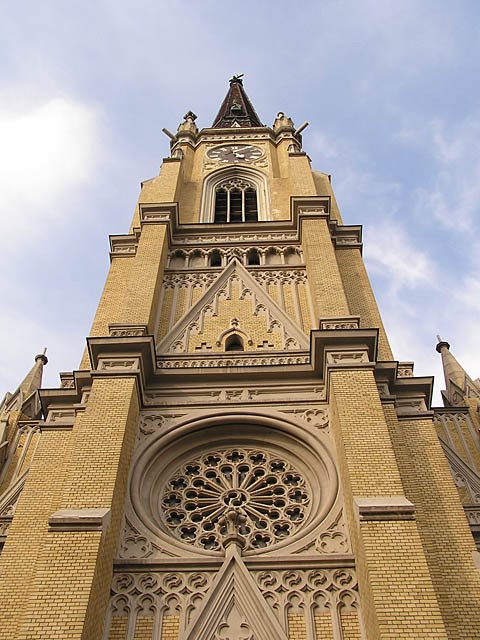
column 412, row 396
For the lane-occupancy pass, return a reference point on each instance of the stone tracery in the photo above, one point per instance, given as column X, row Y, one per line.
column 268, row 490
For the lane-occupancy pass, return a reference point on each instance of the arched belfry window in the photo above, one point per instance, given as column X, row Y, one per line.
column 235, row 201
column 235, row 195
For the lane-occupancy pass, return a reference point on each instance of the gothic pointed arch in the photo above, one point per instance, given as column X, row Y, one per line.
column 251, row 182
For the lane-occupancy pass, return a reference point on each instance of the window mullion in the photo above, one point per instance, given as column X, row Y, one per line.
column 228, row 205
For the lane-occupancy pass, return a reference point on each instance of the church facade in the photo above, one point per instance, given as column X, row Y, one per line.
column 239, row 456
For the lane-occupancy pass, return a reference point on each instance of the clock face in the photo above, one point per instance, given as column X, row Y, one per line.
column 235, row 153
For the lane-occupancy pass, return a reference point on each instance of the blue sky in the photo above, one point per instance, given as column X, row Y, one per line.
column 392, row 96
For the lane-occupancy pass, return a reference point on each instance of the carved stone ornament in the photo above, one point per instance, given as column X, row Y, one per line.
column 405, row 370
column 349, row 322
column 249, row 361
column 118, row 364
column 347, row 357
column 125, row 330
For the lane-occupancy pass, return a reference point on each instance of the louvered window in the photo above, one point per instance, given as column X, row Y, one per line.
column 236, row 201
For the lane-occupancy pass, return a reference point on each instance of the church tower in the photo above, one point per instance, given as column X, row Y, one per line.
column 238, row 456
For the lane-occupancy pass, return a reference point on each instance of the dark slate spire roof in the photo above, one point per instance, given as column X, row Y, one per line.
column 236, row 109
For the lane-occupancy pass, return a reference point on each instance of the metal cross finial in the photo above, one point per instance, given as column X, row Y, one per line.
column 237, row 78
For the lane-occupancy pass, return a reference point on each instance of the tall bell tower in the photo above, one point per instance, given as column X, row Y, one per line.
column 239, row 455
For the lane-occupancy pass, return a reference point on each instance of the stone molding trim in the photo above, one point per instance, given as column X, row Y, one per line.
column 80, row 520
column 381, row 508
column 123, row 355
column 411, row 395
column 225, row 360
column 60, row 418
column 311, row 205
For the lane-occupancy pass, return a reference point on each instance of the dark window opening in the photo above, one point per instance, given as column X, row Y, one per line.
column 235, row 202
column 251, row 207
column 236, row 205
column 215, row 259
column 253, row 258
column 234, row 343
column 221, row 202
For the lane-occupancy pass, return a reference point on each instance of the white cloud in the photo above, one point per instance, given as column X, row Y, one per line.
column 453, row 195
column 47, row 152
column 391, row 253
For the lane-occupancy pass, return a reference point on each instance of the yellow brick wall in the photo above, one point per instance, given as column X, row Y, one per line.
column 297, row 629
column 394, row 581
column 360, row 296
column 170, row 627
column 123, row 300
column 72, row 579
column 144, row 628
column 323, row 626
column 118, row 628
column 324, row 279
column 444, row 530
column 40, row 498
column 324, row 188
column 350, row 626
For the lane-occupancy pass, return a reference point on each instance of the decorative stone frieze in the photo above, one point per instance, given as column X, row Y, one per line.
column 249, row 361
column 347, row 357
column 348, row 322
column 125, row 330
column 118, row 365
column 405, row 370
column 410, row 406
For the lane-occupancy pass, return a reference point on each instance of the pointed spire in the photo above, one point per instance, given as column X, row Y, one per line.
column 236, row 109
column 458, row 383
column 33, row 379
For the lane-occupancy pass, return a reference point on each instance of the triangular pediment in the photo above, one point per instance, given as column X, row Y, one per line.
column 463, row 474
column 9, row 499
column 234, row 305
column 234, row 608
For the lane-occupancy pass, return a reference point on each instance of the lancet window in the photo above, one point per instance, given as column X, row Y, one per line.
column 236, row 201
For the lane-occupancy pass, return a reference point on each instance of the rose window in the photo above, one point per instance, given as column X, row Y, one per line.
column 272, row 495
